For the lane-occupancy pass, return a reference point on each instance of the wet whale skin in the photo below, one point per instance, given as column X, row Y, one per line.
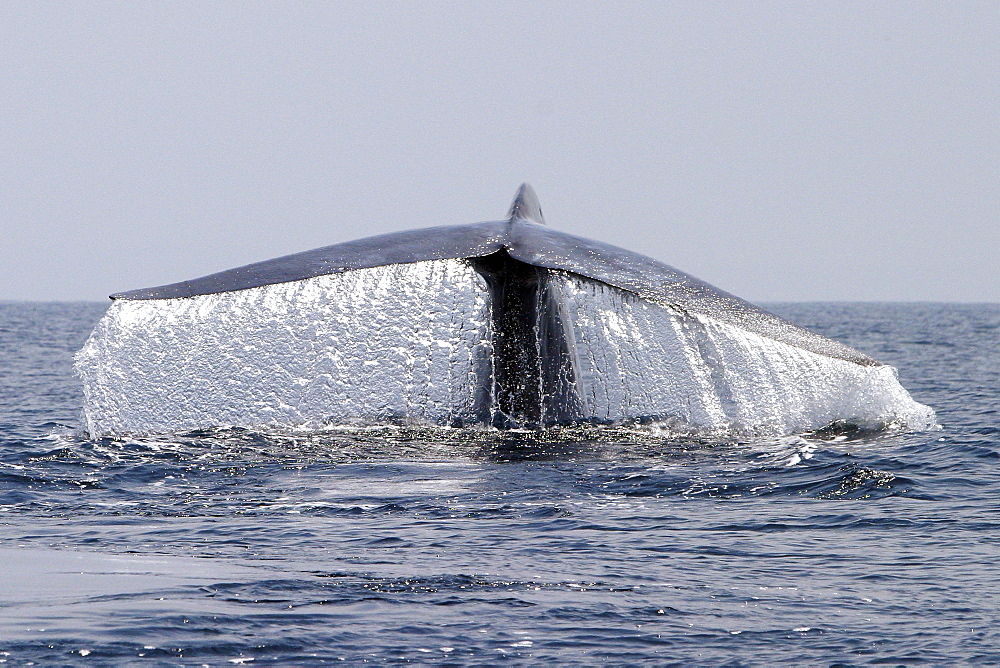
column 507, row 324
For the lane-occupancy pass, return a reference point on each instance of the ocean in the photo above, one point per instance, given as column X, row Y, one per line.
column 474, row 547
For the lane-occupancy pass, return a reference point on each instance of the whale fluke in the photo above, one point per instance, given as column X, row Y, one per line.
column 525, row 206
column 506, row 324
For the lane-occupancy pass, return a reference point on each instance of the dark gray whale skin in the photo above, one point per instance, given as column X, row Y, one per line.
column 527, row 243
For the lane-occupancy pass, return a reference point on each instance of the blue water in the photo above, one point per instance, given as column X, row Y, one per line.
column 578, row 547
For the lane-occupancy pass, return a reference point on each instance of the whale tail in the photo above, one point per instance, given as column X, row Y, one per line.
column 525, row 206
column 505, row 323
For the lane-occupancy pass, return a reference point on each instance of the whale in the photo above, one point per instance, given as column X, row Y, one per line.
column 505, row 324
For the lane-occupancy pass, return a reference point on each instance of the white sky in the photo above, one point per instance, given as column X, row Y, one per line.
column 781, row 151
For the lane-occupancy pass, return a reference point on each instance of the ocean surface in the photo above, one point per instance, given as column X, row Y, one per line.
column 477, row 548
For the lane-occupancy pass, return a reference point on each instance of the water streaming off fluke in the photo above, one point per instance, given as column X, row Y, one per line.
column 504, row 324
